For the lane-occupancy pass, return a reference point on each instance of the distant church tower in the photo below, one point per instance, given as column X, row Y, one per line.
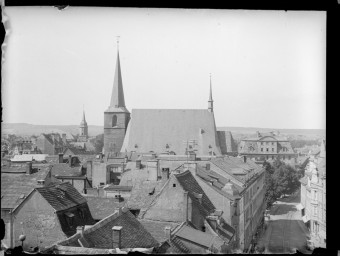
column 210, row 101
column 116, row 117
column 83, row 130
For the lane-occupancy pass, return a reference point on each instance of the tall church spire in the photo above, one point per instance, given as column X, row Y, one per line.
column 210, row 101
column 117, row 97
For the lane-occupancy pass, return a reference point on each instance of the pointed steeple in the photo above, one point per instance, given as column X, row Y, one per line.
column 210, row 101
column 117, row 97
column 84, row 120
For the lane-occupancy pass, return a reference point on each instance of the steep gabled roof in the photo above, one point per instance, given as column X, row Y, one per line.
column 62, row 196
column 16, row 187
column 100, row 207
column 190, row 185
column 155, row 129
column 133, row 234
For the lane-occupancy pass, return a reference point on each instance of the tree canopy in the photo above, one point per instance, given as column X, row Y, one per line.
column 280, row 179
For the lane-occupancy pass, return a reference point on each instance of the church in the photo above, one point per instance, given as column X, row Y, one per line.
column 170, row 131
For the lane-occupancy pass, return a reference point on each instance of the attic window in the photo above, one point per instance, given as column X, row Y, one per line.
column 22, row 196
column 69, row 218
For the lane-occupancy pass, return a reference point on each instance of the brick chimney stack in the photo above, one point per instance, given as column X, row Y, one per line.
column 29, row 168
column 165, row 173
column 70, row 160
column 61, row 158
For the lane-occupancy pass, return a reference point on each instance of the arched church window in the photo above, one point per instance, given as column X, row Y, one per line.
column 114, row 121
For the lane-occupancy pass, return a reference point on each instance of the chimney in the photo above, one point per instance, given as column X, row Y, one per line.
column 167, row 230
column 64, row 138
column 199, row 198
column 70, row 160
column 138, row 164
column 29, row 168
column 185, row 201
column 80, row 230
column 187, row 207
column 165, row 173
column 61, row 158
column 119, row 210
column 207, row 166
column 89, row 169
column 116, row 237
column 192, row 156
column 213, row 221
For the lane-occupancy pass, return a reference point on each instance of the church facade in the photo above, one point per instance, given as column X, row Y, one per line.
column 170, row 131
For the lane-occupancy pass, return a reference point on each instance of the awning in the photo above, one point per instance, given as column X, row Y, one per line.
column 300, row 207
column 305, row 218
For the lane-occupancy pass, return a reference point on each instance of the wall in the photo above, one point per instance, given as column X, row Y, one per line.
column 39, row 223
column 219, row 201
column 7, row 218
column 98, row 173
column 115, row 135
column 169, row 205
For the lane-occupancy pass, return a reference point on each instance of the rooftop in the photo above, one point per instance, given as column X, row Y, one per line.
column 16, row 187
column 61, row 196
column 133, row 234
column 100, row 207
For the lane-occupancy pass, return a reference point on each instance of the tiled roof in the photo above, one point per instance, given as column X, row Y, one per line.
column 133, row 234
column 233, row 166
column 190, row 185
column 16, row 187
column 101, row 207
column 211, row 176
column 62, row 196
column 157, row 228
column 226, row 142
column 177, row 246
column 153, row 129
column 143, row 193
column 64, row 169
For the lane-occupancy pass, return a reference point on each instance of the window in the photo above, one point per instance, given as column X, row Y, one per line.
column 114, row 121
column 272, row 149
column 289, row 157
column 101, row 183
column 174, row 185
column 267, row 149
column 261, row 143
column 273, row 143
column 262, row 149
column 315, row 210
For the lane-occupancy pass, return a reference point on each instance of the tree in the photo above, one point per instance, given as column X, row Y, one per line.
column 280, row 179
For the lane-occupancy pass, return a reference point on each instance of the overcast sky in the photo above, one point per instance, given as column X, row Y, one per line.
column 268, row 67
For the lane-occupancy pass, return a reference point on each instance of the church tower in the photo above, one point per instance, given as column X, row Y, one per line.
column 83, row 130
column 210, row 101
column 116, row 117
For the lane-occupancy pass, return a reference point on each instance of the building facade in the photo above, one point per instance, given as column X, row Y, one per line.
column 313, row 198
column 267, row 147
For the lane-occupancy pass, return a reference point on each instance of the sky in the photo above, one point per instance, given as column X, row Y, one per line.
column 268, row 68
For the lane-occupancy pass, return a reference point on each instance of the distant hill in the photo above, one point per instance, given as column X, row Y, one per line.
column 23, row 129
column 241, row 132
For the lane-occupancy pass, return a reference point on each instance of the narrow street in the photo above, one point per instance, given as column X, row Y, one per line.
column 285, row 230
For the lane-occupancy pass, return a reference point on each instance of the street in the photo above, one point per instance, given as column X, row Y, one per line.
column 285, row 230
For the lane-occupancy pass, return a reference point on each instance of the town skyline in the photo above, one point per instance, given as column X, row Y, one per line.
column 168, row 77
